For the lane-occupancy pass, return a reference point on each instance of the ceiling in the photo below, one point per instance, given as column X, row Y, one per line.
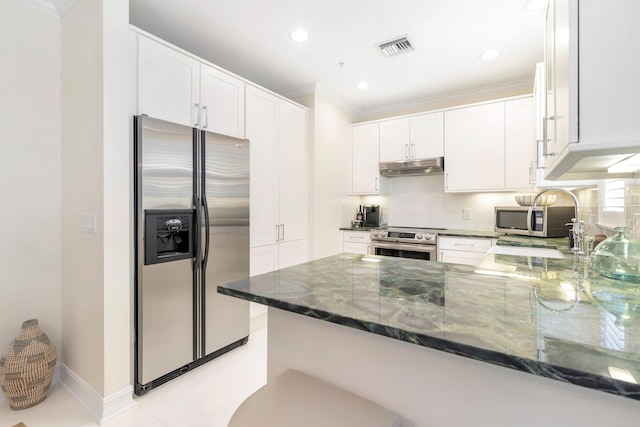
column 251, row 39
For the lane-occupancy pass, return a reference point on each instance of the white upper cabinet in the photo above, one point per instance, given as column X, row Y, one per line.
column 395, row 140
column 222, row 102
column 474, row 148
column 416, row 137
column 427, row 135
column 168, row 83
column 490, row 147
column 520, row 144
column 176, row 87
column 365, row 159
column 593, row 101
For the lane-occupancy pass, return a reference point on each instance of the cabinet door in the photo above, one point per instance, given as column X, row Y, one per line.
column 222, row 102
column 561, row 56
column 168, row 83
column 474, row 148
column 262, row 132
column 394, row 140
column 427, row 136
column 263, row 259
column 356, row 248
column 365, row 159
column 460, row 257
column 292, row 181
column 292, row 253
column 520, row 143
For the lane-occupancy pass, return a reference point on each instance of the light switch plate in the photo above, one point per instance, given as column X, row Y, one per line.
column 466, row 213
column 88, row 222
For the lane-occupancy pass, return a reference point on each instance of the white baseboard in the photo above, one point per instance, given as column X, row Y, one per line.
column 101, row 409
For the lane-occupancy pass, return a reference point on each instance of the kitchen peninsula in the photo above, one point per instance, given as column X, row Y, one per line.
column 514, row 341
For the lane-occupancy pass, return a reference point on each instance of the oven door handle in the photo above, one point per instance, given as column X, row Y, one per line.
column 403, row 246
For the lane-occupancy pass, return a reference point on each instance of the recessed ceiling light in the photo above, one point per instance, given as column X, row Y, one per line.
column 299, row 35
column 534, row 5
column 490, row 54
column 363, row 85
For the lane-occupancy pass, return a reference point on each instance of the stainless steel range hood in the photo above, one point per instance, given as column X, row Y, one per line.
column 413, row 167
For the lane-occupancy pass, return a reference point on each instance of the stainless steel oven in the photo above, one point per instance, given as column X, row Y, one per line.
column 403, row 242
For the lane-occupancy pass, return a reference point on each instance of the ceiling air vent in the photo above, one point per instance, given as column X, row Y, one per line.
column 396, row 46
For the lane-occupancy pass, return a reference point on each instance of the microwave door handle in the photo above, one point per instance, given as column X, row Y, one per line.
column 529, row 218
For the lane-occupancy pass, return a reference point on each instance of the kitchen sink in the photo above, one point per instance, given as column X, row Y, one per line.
column 526, row 251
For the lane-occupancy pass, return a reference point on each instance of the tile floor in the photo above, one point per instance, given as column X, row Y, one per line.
column 205, row 397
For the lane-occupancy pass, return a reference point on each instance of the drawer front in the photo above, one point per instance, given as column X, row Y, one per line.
column 357, row 236
column 465, row 244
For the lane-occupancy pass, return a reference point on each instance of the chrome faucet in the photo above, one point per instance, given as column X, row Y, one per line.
column 578, row 225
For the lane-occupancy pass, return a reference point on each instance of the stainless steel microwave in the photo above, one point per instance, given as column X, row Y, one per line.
column 546, row 221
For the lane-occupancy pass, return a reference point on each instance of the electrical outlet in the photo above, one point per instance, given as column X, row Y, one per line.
column 466, row 213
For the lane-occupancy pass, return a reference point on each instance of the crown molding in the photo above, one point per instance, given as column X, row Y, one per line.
column 55, row 8
column 523, row 85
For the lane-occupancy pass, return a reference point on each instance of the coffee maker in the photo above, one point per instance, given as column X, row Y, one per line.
column 372, row 216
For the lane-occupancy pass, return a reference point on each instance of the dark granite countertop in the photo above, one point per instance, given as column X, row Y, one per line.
column 362, row 228
column 549, row 317
column 471, row 233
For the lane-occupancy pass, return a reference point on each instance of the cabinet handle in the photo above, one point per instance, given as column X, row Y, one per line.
column 369, row 250
column 545, row 139
column 376, row 184
column 197, row 115
column 277, row 233
column 406, row 151
column 413, row 151
column 467, row 245
column 205, row 113
column 282, row 227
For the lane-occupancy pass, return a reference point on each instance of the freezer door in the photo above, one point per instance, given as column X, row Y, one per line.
column 226, row 230
column 164, row 292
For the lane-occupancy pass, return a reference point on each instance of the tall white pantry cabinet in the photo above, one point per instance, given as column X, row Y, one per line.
column 176, row 86
column 277, row 131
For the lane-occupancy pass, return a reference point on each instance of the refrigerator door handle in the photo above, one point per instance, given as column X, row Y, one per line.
column 206, row 233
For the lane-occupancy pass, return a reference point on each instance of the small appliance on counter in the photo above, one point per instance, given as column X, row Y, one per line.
column 372, row 216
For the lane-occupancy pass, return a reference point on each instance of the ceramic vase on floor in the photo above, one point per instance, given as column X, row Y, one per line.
column 26, row 368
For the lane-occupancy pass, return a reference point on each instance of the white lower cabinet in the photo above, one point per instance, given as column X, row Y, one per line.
column 273, row 257
column 463, row 250
column 356, row 242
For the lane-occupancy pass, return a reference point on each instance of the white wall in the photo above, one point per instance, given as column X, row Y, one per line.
column 29, row 170
column 96, row 164
column 329, row 172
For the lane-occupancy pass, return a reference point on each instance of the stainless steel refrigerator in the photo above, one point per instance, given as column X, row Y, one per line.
column 191, row 234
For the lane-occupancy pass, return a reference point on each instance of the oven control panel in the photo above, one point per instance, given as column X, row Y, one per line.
column 415, row 236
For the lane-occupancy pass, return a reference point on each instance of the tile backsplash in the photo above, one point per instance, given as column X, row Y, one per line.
column 421, row 202
column 592, row 204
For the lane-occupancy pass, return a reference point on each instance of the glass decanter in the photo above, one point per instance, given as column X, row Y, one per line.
column 618, row 257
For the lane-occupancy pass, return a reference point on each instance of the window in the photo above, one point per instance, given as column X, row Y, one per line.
column 612, row 211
